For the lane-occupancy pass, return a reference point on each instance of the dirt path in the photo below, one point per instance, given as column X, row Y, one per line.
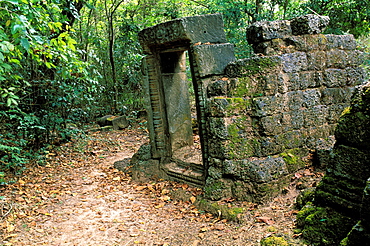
column 78, row 198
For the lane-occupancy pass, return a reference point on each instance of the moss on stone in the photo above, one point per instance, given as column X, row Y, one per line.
column 293, row 158
column 323, row 225
column 250, row 69
column 274, row 241
column 215, row 189
column 244, row 87
column 266, row 191
column 306, row 195
column 239, row 146
column 221, row 210
column 359, row 235
column 259, row 64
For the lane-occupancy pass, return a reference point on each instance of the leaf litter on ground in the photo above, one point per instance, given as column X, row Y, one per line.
column 78, row 198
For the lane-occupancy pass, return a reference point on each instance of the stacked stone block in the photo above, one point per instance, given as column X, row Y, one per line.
column 345, row 187
column 282, row 103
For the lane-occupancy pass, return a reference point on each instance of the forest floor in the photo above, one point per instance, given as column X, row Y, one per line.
column 77, row 197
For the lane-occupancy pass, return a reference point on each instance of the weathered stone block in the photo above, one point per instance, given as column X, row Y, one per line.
column 350, row 162
column 214, row 172
column 360, row 233
column 215, row 162
column 243, row 191
column 293, row 120
column 302, row 80
column 318, row 79
column 267, row 30
column 216, row 189
column 319, row 136
column 295, row 100
column 105, row 120
column 316, row 60
column 218, row 88
column 227, row 106
column 355, row 58
column 252, row 66
column 217, row 106
column 340, row 193
column 307, row 43
column 269, row 146
column 334, row 111
column 311, row 97
column 294, row 62
column 270, row 84
column 336, row 95
column 217, row 148
column 120, row 123
column 334, row 77
column 315, row 116
column 271, row 125
column 309, row 24
column 337, row 58
column 282, row 83
column 217, row 128
column 260, row 171
column 202, row 28
column 355, row 75
column 270, row 105
column 354, row 130
column 273, row 47
column 212, row 59
column 343, row 42
column 231, row 168
column 240, row 146
column 290, row 140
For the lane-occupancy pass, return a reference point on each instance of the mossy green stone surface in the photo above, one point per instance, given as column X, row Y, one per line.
column 323, row 225
column 274, row 241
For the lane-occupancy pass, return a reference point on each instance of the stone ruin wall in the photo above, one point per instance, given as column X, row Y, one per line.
column 270, row 111
column 342, row 197
column 258, row 117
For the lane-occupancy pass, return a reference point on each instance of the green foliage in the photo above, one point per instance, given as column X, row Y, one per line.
column 345, row 16
column 43, row 80
column 2, row 181
column 364, row 45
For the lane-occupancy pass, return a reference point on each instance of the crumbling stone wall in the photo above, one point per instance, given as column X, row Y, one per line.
column 271, row 110
column 339, row 213
column 258, row 117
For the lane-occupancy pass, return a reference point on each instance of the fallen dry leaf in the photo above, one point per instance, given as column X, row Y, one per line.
column 193, row 199
column 161, row 205
column 266, row 220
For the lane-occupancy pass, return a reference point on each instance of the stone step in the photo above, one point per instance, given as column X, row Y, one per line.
column 190, row 173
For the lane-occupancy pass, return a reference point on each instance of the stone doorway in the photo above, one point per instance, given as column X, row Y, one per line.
column 181, row 107
column 173, row 152
column 181, row 113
